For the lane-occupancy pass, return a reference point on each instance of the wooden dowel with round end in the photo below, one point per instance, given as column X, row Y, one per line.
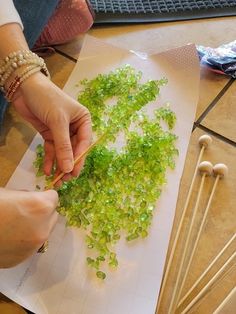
column 204, row 142
column 205, row 169
column 220, row 171
column 211, row 282
column 214, row 261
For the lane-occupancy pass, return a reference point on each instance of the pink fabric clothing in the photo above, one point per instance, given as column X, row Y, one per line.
column 71, row 18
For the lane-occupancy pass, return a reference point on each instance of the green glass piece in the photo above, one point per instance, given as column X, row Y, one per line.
column 90, row 260
column 101, row 258
column 101, row 275
column 143, row 217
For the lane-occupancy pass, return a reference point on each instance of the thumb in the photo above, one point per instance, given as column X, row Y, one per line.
column 52, row 196
column 63, row 148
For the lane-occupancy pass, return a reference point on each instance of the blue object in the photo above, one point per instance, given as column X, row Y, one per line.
column 221, row 59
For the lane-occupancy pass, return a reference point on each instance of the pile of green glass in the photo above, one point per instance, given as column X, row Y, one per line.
column 117, row 190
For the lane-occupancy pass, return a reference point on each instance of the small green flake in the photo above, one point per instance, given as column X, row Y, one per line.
column 143, row 217
column 101, row 275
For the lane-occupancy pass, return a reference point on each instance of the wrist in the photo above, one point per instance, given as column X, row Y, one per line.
column 36, row 79
column 17, row 67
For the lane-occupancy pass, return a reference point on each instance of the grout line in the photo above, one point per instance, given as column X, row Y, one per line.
column 214, row 101
column 217, row 135
column 65, row 55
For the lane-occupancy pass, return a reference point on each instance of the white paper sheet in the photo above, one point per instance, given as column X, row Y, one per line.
column 59, row 281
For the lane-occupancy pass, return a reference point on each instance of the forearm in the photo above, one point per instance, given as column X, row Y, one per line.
column 11, row 39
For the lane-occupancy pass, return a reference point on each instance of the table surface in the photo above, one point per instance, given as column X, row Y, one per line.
column 216, row 116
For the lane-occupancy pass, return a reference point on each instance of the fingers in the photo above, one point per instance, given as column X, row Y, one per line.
column 34, row 213
column 69, row 140
column 66, row 177
column 49, row 202
column 49, row 157
column 42, row 203
column 80, row 148
column 63, row 148
column 82, row 141
column 52, row 197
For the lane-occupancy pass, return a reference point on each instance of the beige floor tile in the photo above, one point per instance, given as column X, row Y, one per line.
column 222, row 117
column 59, row 68
column 219, row 228
column 153, row 38
column 14, row 141
column 9, row 307
column 72, row 48
column 210, row 86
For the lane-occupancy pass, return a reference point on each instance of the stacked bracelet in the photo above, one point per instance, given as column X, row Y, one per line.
column 18, row 79
column 30, row 62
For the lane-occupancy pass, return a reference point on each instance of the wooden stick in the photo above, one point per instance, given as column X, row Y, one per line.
column 222, row 304
column 204, row 142
column 215, row 260
column 77, row 160
column 220, row 171
column 210, row 283
column 206, row 169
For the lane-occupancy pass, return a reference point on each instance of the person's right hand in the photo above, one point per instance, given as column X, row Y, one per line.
column 26, row 220
column 64, row 124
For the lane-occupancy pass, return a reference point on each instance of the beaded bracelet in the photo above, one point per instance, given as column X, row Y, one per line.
column 16, row 60
column 19, row 79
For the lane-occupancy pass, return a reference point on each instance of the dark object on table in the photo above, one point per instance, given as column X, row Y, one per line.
column 221, row 60
column 139, row 11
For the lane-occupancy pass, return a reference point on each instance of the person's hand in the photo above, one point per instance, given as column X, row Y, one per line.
column 64, row 124
column 26, row 220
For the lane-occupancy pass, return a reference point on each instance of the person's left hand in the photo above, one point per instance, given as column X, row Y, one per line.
column 64, row 124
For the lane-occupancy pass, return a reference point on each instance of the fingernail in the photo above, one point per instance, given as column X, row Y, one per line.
column 67, row 165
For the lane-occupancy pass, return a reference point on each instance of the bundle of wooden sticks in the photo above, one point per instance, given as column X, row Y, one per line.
column 183, row 304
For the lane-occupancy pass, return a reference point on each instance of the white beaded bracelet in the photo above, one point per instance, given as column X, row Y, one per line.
column 16, row 60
